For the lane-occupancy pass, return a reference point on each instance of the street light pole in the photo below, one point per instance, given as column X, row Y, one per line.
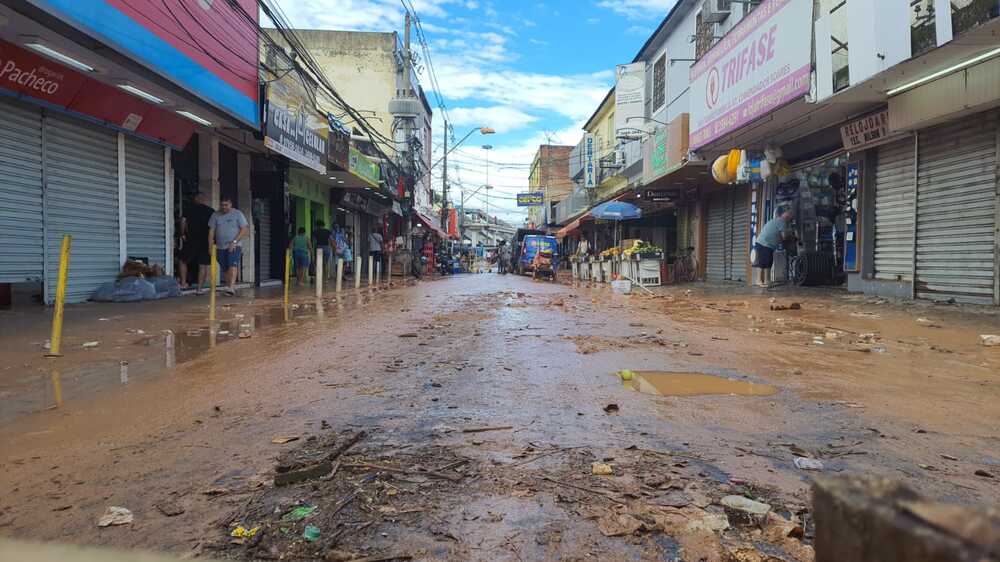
column 487, row 148
column 444, row 182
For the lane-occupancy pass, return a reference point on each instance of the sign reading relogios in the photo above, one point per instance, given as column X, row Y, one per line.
column 759, row 66
column 866, row 131
column 531, row 199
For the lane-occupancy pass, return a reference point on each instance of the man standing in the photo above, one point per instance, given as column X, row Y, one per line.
column 323, row 240
column 228, row 227
column 768, row 241
column 194, row 235
column 375, row 247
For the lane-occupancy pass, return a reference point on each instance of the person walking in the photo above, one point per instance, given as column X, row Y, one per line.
column 194, row 241
column 375, row 248
column 228, row 227
column 768, row 241
column 323, row 240
column 301, row 254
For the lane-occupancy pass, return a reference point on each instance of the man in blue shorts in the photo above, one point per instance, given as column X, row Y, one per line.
column 228, row 227
column 768, row 241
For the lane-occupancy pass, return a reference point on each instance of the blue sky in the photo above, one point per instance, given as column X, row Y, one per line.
column 534, row 71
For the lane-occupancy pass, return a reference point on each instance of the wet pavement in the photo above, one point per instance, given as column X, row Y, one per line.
column 510, row 390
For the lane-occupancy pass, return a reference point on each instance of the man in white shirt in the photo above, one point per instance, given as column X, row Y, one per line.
column 375, row 247
column 227, row 227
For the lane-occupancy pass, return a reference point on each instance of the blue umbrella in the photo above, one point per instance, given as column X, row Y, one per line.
column 616, row 211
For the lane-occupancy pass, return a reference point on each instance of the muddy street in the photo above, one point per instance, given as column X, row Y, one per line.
column 488, row 417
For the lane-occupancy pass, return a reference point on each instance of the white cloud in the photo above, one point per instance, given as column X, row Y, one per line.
column 639, row 9
column 503, row 118
column 593, row 21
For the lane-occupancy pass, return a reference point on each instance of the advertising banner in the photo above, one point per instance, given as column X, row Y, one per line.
column 531, row 199
column 589, row 161
column 293, row 127
column 759, row 66
column 630, row 94
column 206, row 47
column 363, row 167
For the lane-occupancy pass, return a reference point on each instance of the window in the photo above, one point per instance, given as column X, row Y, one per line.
column 659, row 82
column 966, row 14
column 923, row 26
column 836, row 10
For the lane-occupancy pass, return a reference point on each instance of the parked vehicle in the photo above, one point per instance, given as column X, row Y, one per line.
column 517, row 243
column 538, row 251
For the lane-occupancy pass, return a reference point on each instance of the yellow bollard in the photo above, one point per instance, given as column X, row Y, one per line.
column 213, row 274
column 55, row 343
column 288, row 273
column 340, row 274
column 357, row 273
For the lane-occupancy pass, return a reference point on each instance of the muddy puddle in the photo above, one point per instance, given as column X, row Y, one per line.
column 153, row 355
column 666, row 383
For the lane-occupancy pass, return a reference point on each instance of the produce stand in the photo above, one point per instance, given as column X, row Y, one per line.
column 645, row 263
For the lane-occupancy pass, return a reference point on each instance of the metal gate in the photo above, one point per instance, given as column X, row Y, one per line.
column 21, row 226
column 738, row 235
column 145, row 205
column 81, row 199
column 956, row 210
column 263, row 217
column 715, row 249
column 894, row 191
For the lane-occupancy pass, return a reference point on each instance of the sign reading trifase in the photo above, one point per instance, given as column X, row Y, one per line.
column 759, row 66
column 866, row 131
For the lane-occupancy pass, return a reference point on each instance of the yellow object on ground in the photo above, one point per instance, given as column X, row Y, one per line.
column 242, row 532
column 601, row 469
column 625, row 375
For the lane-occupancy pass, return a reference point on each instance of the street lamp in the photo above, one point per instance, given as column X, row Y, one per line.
column 488, row 148
column 444, row 172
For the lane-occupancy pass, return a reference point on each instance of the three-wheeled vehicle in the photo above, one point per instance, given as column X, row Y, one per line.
column 516, row 246
column 539, row 254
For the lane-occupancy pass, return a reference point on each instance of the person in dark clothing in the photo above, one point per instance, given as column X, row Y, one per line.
column 323, row 240
column 194, row 241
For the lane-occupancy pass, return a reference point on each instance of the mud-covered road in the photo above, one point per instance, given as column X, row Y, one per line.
column 477, row 410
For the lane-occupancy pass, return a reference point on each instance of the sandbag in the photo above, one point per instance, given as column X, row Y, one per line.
column 129, row 289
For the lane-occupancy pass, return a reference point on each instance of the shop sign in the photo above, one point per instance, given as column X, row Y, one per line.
column 851, row 218
column 866, row 131
column 339, row 144
column 589, row 161
column 36, row 77
column 759, row 66
column 293, row 127
column 303, row 187
column 662, row 195
column 363, row 167
column 531, row 199
column 357, row 201
column 657, row 160
column 630, row 93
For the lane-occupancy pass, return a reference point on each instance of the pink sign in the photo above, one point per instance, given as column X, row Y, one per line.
column 759, row 66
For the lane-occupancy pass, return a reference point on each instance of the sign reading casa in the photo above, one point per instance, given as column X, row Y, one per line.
column 759, row 66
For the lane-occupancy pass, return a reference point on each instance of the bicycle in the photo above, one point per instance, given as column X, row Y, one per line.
column 685, row 266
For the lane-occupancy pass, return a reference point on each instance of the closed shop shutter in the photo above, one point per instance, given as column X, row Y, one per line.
column 739, row 238
column 21, row 229
column 264, row 238
column 956, row 210
column 81, row 163
column 145, row 221
column 715, row 247
column 894, row 189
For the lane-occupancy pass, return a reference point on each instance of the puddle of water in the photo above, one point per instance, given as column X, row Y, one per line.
column 665, row 383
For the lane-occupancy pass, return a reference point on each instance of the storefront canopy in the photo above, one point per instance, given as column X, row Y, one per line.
column 572, row 227
column 428, row 223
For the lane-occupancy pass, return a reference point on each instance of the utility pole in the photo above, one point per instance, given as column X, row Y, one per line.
column 444, row 182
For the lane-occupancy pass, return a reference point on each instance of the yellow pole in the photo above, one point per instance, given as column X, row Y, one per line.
column 213, row 281
column 288, row 272
column 55, row 343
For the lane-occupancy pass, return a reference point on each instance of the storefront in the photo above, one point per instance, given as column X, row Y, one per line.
column 67, row 168
column 727, row 243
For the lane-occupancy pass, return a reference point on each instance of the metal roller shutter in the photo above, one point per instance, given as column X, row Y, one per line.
column 956, row 210
column 894, row 192
column 264, row 238
column 21, row 227
column 739, row 238
column 81, row 199
column 715, row 248
column 145, row 206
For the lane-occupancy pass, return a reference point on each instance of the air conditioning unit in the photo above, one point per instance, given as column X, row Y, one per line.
column 715, row 11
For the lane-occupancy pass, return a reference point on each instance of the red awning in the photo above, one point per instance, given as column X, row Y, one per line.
column 428, row 223
column 571, row 227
